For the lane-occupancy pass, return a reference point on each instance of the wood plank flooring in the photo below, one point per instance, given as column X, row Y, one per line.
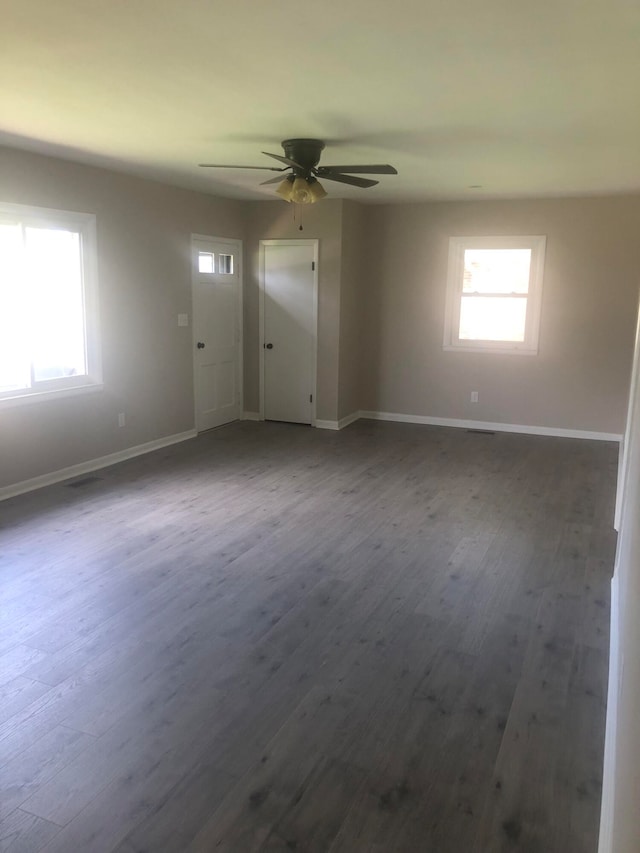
column 273, row 638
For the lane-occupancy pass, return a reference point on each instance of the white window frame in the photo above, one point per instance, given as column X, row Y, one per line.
column 85, row 225
column 455, row 275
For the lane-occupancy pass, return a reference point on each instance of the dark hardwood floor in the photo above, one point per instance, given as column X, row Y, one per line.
column 273, row 638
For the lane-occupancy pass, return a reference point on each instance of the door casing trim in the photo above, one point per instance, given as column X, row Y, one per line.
column 314, row 323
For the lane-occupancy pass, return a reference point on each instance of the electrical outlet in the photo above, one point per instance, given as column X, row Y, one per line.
column 121, row 419
column 474, row 396
column 183, row 319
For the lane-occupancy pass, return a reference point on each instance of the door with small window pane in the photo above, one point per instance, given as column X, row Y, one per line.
column 216, row 331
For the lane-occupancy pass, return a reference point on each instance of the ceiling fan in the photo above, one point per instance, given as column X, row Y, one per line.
column 301, row 184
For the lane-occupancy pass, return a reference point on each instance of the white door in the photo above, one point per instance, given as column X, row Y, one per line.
column 289, row 329
column 217, row 310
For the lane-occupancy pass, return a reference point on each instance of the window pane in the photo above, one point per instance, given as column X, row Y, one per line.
column 53, row 279
column 206, row 262
column 225, row 264
column 492, row 318
column 14, row 342
column 496, row 271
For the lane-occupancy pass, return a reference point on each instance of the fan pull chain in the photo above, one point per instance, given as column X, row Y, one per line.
column 297, row 215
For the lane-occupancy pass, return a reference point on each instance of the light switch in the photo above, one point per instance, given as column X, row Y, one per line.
column 183, row 319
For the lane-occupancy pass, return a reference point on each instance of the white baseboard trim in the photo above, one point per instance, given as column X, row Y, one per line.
column 93, row 465
column 605, row 843
column 349, row 419
column 341, row 424
column 559, row 432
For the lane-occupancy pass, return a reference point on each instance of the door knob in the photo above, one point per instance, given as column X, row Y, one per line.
column 200, row 345
column 269, row 346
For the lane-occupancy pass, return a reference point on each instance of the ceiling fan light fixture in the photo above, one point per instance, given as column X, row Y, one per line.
column 306, row 191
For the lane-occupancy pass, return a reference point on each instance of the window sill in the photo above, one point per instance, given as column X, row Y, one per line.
column 40, row 396
column 490, row 350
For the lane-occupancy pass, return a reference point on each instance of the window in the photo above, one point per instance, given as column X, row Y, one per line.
column 494, row 289
column 48, row 303
column 206, row 262
column 225, row 264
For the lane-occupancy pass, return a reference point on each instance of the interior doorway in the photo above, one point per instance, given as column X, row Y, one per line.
column 216, row 282
column 288, row 330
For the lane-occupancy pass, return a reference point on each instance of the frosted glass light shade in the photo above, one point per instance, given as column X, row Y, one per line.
column 300, row 193
column 285, row 189
column 317, row 190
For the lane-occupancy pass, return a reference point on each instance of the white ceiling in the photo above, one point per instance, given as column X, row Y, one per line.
column 524, row 99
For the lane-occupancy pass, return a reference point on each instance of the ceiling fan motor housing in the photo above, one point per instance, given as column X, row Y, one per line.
column 306, row 152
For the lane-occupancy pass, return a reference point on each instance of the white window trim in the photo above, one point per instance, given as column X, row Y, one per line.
column 457, row 247
column 85, row 224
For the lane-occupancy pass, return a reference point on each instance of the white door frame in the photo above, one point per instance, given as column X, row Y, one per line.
column 237, row 245
column 314, row 324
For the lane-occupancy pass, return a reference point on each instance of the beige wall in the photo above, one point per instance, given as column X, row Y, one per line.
column 272, row 221
column 580, row 378
column 382, row 276
column 144, row 233
column 353, row 295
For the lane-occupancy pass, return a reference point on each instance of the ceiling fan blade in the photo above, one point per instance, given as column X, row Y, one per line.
column 348, row 179
column 274, row 180
column 227, row 166
column 358, row 170
column 284, row 160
